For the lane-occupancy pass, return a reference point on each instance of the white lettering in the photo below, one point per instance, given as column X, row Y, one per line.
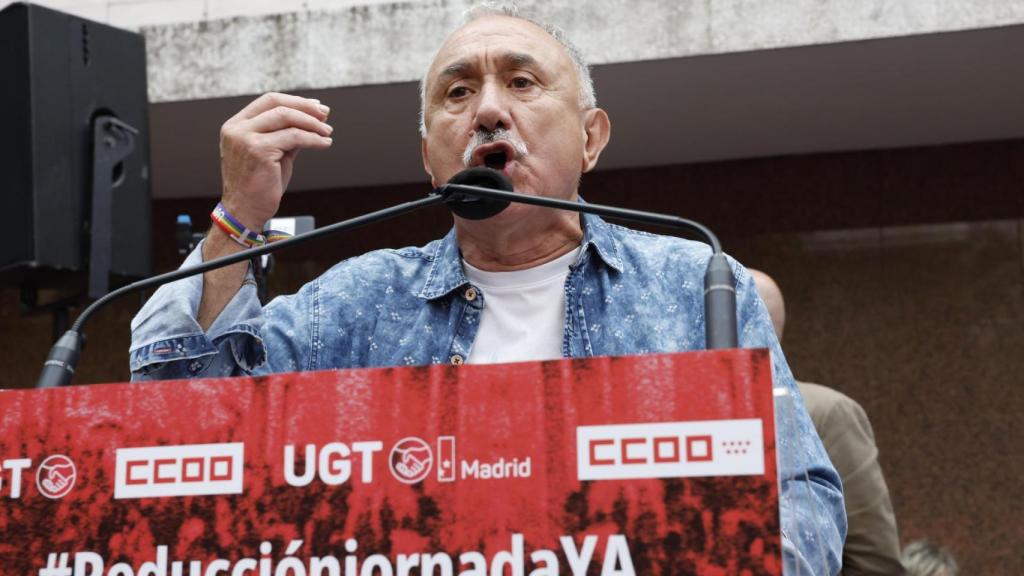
column 578, row 561
column 242, row 566
column 510, row 562
column 335, row 468
column 317, row 566
column 512, row 559
column 616, row 554
column 477, row 560
column 121, row 569
column 498, row 469
column 550, row 560
column 195, row 568
column 407, row 563
column 308, row 470
column 88, row 564
column 158, row 568
column 378, row 561
column 333, row 465
column 15, row 465
column 219, row 566
column 439, row 560
column 365, row 451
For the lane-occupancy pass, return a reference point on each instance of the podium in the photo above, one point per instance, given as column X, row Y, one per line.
column 648, row 465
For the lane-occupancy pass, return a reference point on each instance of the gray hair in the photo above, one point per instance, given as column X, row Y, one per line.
column 588, row 98
column 922, row 558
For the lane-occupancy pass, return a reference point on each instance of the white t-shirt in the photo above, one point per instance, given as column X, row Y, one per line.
column 524, row 312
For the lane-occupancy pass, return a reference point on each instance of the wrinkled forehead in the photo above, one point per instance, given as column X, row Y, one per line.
column 495, row 38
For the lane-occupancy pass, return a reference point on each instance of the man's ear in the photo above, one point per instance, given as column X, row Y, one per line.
column 426, row 161
column 597, row 129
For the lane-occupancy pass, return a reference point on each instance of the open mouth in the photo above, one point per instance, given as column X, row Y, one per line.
column 495, row 156
column 496, row 160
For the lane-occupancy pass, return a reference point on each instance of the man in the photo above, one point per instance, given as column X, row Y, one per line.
column 527, row 284
column 872, row 544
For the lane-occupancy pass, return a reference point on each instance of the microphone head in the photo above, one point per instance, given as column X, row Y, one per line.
column 478, row 208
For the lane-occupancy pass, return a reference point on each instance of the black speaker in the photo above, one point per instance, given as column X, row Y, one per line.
column 59, row 75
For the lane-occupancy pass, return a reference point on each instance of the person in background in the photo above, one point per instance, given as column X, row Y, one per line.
column 872, row 544
column 922, row 558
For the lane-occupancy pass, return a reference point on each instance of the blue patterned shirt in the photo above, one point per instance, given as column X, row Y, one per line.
column 629, row 292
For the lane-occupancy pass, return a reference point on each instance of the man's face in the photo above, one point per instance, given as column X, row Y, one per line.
column 505, row 73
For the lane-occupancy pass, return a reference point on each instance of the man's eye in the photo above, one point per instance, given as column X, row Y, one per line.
column 521, row 82
column 458, row 92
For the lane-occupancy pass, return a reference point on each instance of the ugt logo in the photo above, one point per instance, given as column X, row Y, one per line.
column 56, row 476
column 411, row 460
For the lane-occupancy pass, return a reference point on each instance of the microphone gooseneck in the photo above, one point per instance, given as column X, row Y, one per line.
column 60, row 364
column 476, row 193
column 719, row 282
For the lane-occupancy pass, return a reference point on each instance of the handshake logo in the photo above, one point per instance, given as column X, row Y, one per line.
column 56, row 476
column 411, row 460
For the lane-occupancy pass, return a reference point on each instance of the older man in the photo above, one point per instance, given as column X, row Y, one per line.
column 527, row 284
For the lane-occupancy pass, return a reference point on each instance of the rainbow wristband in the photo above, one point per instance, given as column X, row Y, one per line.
column 275, row 235
column 239, row 233
column 235, row 229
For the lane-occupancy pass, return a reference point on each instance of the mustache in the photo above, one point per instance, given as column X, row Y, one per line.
column 481, row 137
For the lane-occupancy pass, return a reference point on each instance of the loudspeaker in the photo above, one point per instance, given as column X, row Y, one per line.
column 58, row 73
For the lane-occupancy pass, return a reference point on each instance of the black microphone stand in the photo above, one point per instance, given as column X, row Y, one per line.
column 719, row 284
column 60, row 364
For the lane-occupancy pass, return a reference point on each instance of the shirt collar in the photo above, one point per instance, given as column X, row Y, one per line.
column 598, row 234
column 446, row 274
column 445, row 269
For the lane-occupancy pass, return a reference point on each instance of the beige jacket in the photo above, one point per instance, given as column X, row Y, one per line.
column 872, row 543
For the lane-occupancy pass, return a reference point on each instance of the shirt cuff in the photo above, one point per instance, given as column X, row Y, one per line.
column 166, row 331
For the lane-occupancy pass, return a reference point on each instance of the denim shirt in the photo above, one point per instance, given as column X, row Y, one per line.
column 629, row 292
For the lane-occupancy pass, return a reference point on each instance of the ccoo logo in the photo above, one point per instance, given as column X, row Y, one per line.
column 670, row 450
column 411, row 460
column 179, row 470
column 56, row 476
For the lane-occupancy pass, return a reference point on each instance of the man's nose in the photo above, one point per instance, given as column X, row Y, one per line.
column 492, row 111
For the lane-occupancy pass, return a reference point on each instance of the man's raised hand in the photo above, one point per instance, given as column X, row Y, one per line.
column 258, row 148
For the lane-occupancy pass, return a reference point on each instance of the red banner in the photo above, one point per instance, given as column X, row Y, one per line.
column 660, row 464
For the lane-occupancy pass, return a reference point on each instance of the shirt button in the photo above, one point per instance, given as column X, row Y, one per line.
column 457, row 359
column 470, row 294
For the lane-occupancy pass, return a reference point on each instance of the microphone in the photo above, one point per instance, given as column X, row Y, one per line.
column 493, row 192
column 474, row 207
column 475, row 193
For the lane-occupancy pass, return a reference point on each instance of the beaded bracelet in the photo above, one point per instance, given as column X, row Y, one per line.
column 239, row 233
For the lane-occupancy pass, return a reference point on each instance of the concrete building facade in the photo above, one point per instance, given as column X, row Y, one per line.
column 218, row 48
column 707, row 80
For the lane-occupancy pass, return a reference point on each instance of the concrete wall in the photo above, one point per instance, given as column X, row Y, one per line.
column 134, row 14
column 216, row 48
